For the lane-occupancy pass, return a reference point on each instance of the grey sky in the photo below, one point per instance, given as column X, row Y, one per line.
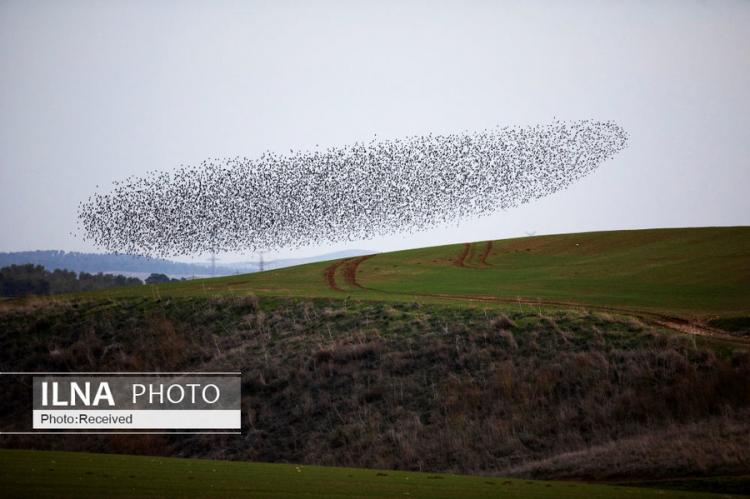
column 91, row 92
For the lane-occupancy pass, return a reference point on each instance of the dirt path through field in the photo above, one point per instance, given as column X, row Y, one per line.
column 486, row 253
column 330, row 274
column 350, row 270
column 468, row 257
column 461, row 258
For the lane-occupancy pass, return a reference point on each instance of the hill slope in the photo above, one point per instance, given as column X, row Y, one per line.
column 563, row 395
column 694, row 273
column 379, row 381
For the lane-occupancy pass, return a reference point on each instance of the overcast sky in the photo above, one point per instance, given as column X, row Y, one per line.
column 94, row 91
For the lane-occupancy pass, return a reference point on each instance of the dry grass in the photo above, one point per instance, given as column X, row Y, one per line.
column 716, row 446
column 419, row 388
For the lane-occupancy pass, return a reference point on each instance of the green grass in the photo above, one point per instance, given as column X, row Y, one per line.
column 40, row 474
column 701, row 273
column 697, row 273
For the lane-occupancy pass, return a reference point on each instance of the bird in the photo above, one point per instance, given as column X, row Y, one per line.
column 343, row 193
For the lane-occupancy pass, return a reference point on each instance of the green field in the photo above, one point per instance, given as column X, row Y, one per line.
column 71, row 474
column 342, row 334
column 697, row 273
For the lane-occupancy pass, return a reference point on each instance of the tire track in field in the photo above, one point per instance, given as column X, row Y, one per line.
column 464, row 258
column 461, row 258
column 486, row 254
column 330, row 274
column 350, row 271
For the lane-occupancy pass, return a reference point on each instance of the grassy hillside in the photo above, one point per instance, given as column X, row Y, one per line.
column 542, row 357
column 65, row 474
column 694, row 273
column 388, row 385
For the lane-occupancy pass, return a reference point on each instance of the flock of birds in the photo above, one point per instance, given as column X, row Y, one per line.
column 344, row 193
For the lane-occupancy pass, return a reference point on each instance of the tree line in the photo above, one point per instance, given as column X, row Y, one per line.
column 30, row 279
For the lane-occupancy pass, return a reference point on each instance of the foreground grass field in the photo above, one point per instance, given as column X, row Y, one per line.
column 68, row 474
column 697, row 273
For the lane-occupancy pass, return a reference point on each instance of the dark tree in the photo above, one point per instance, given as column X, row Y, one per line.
column 157, row 279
